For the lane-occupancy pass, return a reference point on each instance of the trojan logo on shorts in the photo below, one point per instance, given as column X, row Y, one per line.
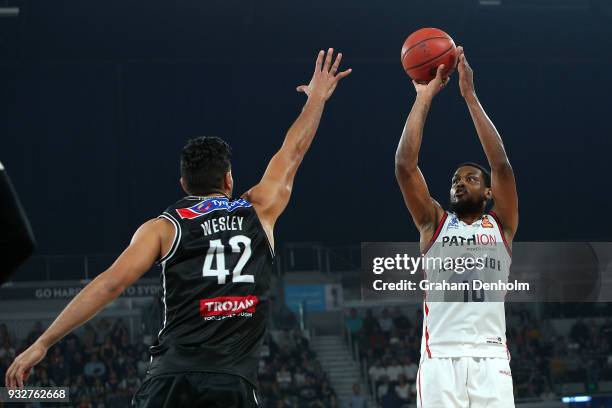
column 228, row 305
column 486, row 223
column 210, row 205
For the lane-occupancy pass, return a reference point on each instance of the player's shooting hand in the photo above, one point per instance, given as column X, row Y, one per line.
column 434, row 86
column 21, row 368
column 325, row 77
column 466, row 75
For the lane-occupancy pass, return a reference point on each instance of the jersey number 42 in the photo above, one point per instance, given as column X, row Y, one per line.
column 216, row 253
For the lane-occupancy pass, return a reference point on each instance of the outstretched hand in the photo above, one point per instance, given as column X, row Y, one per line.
column 21, row 368
column 434, row 86
column 325, row 77
column 466, row 75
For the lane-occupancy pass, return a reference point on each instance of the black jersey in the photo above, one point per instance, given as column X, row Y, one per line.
column 214, row 284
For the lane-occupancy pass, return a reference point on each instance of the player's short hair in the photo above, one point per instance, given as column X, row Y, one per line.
column 204, row 162
column 486, row 174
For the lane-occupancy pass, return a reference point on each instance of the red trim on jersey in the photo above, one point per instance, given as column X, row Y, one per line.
column 420, row 390
column 426, row 331
column 501, row 231
column 429, row 245
column 435, row 235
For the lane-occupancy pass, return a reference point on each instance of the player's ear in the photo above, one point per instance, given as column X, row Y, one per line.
column 228, row 181
column 183, row 185
column 488, row 193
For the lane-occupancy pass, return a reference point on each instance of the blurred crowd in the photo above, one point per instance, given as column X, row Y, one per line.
column 103, row 368
column 290, row 374
column 389, row 343
column 543, row 361
column 104, row 365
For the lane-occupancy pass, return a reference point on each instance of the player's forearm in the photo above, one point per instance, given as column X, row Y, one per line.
column 83, row 307
column 489, row 137
column 407, row 154
column 301, row 134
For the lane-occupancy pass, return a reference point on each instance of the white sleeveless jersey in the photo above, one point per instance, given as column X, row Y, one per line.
column 465, row 322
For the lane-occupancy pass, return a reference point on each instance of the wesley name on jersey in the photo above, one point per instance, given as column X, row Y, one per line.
column 227, row 223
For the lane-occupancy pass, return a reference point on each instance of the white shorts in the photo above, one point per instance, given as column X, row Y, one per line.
column 464, row 382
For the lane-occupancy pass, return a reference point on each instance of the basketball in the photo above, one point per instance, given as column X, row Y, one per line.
column 425, row 50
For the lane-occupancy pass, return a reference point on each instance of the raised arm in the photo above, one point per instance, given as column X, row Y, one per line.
column 144, row 249
column 424, row 209
column 271, row 195
column 503, row 185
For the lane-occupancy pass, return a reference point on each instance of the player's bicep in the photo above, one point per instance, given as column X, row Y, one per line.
column 138, row 257
column 503, row 188
column 423, row 208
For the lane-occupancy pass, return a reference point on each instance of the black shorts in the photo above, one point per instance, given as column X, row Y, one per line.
column 197, row 390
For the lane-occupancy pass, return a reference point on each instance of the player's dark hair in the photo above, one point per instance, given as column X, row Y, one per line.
column 486, row 174
column 204, row 162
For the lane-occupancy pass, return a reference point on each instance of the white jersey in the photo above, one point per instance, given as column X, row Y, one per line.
column 468, row 321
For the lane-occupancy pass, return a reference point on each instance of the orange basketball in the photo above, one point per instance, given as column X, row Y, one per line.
column 425, row 50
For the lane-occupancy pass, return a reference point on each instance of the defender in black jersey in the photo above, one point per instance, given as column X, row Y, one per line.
column 214, row 282
column 216, row 257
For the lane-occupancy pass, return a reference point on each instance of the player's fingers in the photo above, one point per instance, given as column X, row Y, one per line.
column 9, row 377
column 344, row 74
column 459, row 50
column 19, row 377
column 319, row 62
column 334, row 67
column 328, row 58
column 26, row 374
column 439, row 71
column 12, row 379
column 301, row 88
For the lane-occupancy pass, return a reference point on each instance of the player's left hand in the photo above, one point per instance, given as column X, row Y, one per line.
column 325, row 77
column 466, row 75
column 21, row 368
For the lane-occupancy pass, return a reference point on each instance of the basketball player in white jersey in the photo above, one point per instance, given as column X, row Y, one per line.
column 464, row 356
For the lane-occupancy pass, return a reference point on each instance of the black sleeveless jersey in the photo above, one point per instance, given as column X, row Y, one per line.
column 214, row 284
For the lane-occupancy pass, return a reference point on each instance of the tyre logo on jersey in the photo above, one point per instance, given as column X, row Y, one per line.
column 228, row 305
column 210, row 205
